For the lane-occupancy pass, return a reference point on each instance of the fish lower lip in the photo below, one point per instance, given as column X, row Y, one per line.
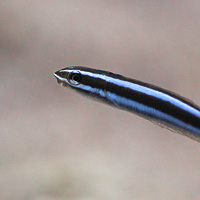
column 59, row 81
column 58, row 78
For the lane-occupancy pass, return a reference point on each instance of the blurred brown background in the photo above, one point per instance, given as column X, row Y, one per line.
column 56, row 144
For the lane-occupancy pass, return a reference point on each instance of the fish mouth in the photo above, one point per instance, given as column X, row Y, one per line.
column 58, row 78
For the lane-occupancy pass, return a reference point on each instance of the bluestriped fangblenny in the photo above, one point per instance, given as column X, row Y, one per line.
column 151, row 102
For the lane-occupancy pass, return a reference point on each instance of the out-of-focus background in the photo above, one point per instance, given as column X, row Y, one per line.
column 56, row 144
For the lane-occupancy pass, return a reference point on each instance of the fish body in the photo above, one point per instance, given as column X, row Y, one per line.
column 160, row 106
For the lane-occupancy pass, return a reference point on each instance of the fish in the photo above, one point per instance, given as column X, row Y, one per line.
column 160, row 106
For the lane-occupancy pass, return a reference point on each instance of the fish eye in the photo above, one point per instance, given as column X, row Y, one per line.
column 74, row 78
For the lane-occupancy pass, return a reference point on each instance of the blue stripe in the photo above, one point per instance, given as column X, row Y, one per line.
column 146, row 110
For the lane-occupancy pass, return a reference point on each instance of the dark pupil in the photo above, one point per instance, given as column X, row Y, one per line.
column 76, row 78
